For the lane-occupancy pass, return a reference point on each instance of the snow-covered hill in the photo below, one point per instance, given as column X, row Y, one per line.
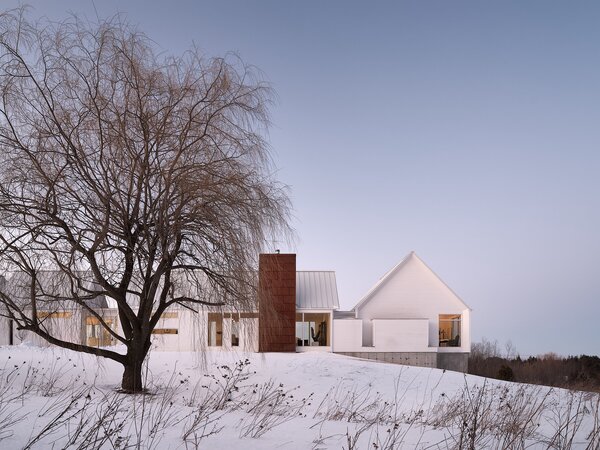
column 52, row 398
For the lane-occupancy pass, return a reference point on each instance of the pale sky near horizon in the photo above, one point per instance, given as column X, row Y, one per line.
column 466, row 131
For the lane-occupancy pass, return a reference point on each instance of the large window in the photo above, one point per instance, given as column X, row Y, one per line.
column 449, row 330
column 96, row 335
column 312, row 329
column 215, row 329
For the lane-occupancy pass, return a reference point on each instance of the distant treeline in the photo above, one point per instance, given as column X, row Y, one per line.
column 573, row 372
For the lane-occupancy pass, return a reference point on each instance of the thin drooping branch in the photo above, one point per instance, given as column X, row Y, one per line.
column 130, row 180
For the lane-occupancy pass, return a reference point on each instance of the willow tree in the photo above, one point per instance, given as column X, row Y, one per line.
column 123, row 169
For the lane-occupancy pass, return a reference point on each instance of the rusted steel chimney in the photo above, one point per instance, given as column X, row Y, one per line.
column 277, row 302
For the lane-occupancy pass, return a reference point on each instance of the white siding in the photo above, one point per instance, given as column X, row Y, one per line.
column 400, row 335
column 347, row 335
column 67, row 328
column 413, row 291
column 192, row 333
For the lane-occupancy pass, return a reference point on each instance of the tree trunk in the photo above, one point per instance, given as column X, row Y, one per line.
column 132, row 376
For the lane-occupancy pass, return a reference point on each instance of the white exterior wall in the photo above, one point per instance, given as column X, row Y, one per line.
column 192, row 333
column 69, row 329
column 248, row 335
column 188, row 337
column 347, row 335
column 465, row 342
column 400, row 335
column 390, row 335
column 413, row 291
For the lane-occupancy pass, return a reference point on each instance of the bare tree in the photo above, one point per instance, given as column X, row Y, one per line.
column 129, row 172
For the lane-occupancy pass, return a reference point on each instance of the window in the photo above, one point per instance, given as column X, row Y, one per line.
column 96, row 334
column 165, row 331
column 235, row 330
column 54, row 315
column 312, row 329
column 215, row 329
column 449, row 330
column 93, row 331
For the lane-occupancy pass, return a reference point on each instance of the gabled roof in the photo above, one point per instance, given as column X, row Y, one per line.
column 316, row 290
column 395, row 270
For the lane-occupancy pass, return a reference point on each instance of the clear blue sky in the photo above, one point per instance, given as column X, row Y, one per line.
column 466, row 131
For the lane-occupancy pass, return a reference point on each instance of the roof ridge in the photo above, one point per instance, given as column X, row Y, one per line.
column 381, row 280
column 393, row 270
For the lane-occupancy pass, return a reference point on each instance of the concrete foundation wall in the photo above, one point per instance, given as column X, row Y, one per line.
column 450, row 361
column 459, row 362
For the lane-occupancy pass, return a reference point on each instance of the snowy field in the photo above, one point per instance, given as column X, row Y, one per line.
column 53, row 398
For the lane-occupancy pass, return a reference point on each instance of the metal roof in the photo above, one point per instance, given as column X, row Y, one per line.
column 316, row 290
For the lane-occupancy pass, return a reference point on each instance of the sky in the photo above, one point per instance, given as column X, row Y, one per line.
column 468, row 132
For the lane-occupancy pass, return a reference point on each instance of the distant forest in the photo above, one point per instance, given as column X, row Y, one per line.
column 582, row 372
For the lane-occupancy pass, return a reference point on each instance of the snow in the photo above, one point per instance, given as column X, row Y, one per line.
column 258, row 401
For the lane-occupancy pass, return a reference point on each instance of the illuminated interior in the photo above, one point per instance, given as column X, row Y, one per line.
column 312, row 329
column 215, row 329
column 449, row 330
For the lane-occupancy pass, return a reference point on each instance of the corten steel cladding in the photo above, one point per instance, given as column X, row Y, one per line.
column 277, row 303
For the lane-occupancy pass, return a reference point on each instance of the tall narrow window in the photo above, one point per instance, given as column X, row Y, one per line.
column 235, row 330
column 215, row 329
column 449, row 330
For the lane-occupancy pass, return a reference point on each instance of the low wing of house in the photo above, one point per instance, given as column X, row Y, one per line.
column 62, row 303
column 316, row 300
column 410, row 310
column 301, row 315
column 55, row 290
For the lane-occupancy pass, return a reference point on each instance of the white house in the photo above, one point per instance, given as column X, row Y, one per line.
column 316, row 299
column 56, row 310
column 409, row 316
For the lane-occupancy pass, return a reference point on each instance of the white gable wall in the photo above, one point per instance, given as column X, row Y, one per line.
column 400, row 335
column 413, row 291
